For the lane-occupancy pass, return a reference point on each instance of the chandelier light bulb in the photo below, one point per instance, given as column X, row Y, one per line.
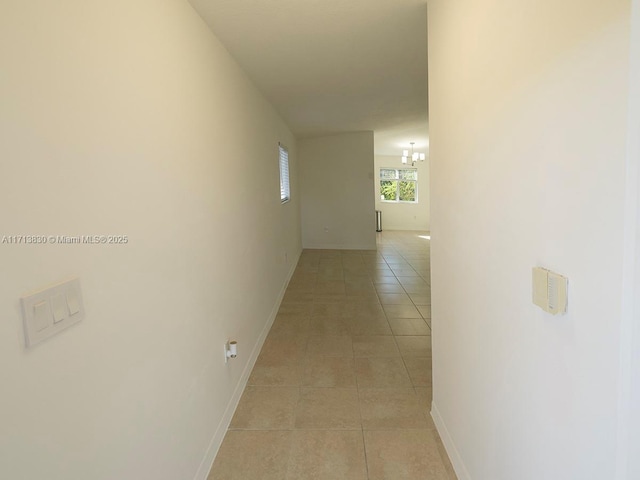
column 412, row 156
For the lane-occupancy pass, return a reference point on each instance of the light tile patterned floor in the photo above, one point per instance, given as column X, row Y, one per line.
column 342, row 387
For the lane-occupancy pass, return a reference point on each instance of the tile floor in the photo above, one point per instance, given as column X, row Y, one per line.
column 342, row 387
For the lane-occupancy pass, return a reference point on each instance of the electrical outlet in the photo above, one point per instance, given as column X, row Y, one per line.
column 230, row 350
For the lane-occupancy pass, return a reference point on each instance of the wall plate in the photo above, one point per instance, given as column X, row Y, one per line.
column 550, row 290
column 51, row 310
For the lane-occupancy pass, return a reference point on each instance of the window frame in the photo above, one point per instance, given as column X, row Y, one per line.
column 285, row 178
column 398, row 179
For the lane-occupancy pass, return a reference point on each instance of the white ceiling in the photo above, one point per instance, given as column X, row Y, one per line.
column 333, row 66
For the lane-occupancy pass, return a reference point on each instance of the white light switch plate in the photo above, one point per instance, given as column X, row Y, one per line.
column 51, row 310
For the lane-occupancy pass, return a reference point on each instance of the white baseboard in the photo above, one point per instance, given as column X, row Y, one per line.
column 333, row 246
column 452, row 451
column 221, row 430
column 400, row 228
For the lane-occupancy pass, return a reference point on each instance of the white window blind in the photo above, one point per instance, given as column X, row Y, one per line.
column 285, row 189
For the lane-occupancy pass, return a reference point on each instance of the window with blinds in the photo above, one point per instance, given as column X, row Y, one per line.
column 285, row 189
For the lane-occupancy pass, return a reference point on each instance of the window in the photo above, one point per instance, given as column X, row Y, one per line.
column 399, row 185
column 285, row 189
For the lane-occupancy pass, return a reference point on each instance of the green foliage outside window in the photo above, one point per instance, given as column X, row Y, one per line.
column 407, row 191
column 398, row 185
column 388, row 189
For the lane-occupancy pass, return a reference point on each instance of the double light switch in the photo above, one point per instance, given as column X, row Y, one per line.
column 51, row 310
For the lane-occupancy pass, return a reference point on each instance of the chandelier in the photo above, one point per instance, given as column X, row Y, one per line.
column 413, row 157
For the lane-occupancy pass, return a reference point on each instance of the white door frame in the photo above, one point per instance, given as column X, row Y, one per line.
column 628, row 441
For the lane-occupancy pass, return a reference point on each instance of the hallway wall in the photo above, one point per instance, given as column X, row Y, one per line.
column 336, row 184
column 128, row 117
column 527, row 141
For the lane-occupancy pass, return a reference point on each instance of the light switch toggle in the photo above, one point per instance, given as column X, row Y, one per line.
column 41, row 316
column 550, row 290
column 72, row 302
column 59, row 306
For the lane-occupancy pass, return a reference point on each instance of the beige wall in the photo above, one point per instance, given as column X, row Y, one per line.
column 404, row 216
column 528, row 111
column 129, row 117
column 337, row 185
